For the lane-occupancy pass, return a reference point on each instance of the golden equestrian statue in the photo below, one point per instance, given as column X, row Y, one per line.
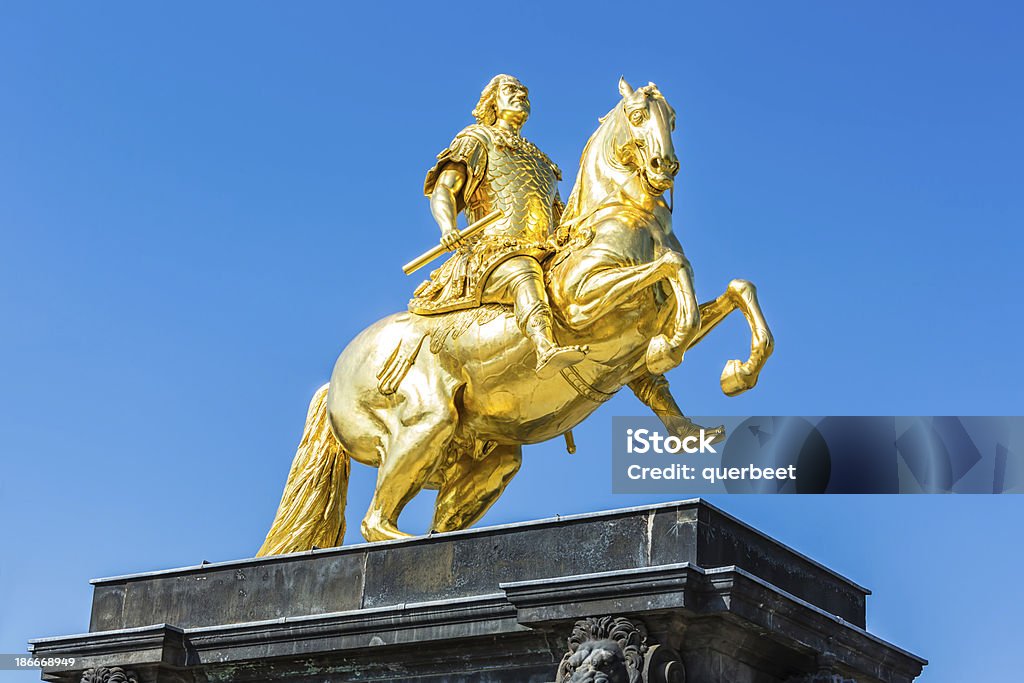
column 540, row 315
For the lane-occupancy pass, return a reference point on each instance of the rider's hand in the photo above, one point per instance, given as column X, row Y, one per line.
column 451, row 239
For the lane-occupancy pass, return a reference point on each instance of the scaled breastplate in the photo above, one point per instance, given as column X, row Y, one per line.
column 520, row 181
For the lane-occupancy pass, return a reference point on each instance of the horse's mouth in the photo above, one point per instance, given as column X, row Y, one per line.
column 656, row 183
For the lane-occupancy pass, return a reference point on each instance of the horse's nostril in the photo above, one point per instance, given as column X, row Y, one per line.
column 656, row 163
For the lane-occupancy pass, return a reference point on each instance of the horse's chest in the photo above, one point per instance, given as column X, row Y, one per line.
column 625, row 243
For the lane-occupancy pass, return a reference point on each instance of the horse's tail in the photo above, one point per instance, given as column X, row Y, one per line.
column 312, row 510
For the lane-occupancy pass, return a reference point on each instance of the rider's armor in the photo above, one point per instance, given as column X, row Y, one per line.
column 503, row 171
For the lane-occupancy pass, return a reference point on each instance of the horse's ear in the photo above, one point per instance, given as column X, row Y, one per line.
column 625, row 89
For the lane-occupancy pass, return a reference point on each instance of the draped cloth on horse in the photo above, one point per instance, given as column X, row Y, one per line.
column 503, row 171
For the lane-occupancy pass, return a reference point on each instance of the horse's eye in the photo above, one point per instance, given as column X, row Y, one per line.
column 637, row 117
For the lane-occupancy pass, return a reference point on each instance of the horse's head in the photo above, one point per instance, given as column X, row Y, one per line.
column 634, row 139
column 648, row 121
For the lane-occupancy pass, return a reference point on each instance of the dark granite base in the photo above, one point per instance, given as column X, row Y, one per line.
column 697, row 590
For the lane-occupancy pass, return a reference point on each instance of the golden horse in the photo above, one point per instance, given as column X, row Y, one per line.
column 455, row 417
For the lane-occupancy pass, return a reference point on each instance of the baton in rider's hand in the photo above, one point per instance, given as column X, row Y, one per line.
column 449, row 241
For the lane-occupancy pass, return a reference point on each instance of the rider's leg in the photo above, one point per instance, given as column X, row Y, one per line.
column 522, row 278
column 472, row 487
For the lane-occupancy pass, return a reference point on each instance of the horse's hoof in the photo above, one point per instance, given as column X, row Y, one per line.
column 379, row 530
column 736, row 380
column 660, row 356
column 558, row 358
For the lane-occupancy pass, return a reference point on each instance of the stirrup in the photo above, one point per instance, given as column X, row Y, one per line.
column 558, row 357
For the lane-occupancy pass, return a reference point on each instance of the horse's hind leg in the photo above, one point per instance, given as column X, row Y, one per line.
column 421, row 432
column 472, row 487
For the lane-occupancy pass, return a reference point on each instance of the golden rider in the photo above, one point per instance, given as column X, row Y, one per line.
column 488, row 166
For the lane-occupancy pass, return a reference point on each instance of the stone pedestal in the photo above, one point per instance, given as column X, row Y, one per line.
column 673, row 592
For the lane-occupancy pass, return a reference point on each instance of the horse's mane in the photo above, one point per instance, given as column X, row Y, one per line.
column 572, row 205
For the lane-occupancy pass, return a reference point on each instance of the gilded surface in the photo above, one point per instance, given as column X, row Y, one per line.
column 551, row 315
column 504, row 172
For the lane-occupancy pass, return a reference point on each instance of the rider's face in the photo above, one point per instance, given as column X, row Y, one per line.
column 512, row 99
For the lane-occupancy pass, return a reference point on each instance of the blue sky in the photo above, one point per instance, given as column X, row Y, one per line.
column 201, row 204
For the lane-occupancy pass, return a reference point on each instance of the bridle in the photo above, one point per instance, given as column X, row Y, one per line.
column 640, row 147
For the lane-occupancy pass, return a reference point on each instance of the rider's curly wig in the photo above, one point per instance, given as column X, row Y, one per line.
column 486, row 112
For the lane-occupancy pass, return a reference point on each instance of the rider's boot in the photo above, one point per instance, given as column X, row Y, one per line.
column 551, row 358
column 533, row 315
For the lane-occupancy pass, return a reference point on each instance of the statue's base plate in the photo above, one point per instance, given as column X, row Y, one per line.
column 700, row 590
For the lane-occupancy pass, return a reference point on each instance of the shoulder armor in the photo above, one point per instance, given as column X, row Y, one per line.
column 469, row 148
column 477, row 132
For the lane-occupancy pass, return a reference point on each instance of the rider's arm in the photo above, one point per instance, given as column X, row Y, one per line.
column 443, row 204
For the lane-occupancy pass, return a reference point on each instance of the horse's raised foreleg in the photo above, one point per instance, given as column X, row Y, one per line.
column 422, row 430
column 604, row 290
column 663, row 352
column 739, row 376
column 472, row 487
column 653, row 391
